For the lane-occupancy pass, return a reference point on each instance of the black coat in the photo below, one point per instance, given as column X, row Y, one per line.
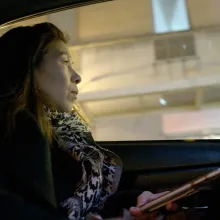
column 26, row 178
column 35, row 178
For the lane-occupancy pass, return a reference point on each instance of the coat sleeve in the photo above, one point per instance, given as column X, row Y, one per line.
column 13, row 206
column 26, row 183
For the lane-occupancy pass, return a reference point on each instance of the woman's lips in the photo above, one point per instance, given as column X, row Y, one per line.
column 74, row 94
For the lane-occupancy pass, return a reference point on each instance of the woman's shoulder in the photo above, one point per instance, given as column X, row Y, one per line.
column 24, row 116
column 24, row 136
column 26, row 128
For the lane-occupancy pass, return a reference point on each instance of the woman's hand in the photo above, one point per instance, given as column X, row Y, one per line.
column 144, row 198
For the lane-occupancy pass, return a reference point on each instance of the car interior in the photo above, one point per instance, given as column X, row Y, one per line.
column 154, row 164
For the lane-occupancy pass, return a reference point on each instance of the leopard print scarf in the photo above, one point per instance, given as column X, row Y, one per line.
column 98, row 168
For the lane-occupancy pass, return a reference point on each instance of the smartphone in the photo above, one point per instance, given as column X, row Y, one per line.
column 180, row 192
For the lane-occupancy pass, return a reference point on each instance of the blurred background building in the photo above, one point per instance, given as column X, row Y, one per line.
column 150, row 68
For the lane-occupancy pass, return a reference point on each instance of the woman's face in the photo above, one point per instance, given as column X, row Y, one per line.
column 56, row 79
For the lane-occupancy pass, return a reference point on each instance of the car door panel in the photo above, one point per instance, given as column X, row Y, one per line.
column 164, row 165
column 151, row 155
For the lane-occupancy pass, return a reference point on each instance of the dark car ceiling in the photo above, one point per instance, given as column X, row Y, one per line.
column 16, row 10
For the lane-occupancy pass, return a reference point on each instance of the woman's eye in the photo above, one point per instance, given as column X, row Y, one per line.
column 66, row 62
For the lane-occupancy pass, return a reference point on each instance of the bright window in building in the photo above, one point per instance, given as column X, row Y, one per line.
column 170, row 16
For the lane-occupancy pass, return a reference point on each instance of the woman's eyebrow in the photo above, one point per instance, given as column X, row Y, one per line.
column 60, row 53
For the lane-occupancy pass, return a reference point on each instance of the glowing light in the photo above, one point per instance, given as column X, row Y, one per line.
column 163, row 101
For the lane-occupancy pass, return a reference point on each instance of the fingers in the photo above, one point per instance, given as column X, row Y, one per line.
column 162, row 193
column 138, row 215
column 172, row 207
column 146, row 197
column 135, row 211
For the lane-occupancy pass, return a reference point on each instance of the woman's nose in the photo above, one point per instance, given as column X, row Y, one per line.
column 76, row 78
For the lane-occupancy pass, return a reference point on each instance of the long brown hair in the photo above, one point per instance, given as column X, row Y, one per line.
column 21, row 51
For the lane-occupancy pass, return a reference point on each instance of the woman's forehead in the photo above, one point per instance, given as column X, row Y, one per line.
column 59, row 48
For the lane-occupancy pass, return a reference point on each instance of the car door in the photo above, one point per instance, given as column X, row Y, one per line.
column 159, row 166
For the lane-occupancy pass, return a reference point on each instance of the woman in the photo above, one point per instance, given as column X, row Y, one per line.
column 51, row 168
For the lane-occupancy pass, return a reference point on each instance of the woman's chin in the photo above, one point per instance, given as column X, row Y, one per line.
column 66, row 107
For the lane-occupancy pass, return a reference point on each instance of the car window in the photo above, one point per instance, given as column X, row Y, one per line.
column 150, row 70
